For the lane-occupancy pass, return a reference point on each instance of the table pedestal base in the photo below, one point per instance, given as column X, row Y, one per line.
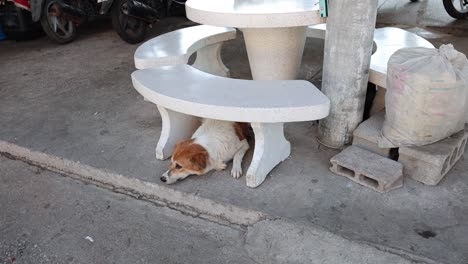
column 271, row 148
column 275, row 53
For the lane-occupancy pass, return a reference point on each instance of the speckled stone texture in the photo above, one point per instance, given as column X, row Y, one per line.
column 368, row 169
column 429, row 164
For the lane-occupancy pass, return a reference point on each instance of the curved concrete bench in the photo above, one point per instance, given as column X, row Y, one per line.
column 177, row 46
column 183, row 92
column 387, row 41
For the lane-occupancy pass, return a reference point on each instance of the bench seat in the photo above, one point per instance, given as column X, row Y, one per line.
column 387, row 41
column 176, row 47
column 185, row 89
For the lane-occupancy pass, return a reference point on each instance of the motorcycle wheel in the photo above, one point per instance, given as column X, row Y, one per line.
column 57, row 29
column 456, row 8
column 130, row 29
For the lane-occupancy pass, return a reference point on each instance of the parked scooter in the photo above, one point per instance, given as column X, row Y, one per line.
column 16, row 22
column 456, row 8
column 130, row 18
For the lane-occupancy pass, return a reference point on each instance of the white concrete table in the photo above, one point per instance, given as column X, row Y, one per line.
column 275, row 35
column 274, row 30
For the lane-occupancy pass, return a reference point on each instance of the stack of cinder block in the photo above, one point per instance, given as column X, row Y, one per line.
column 427, row 164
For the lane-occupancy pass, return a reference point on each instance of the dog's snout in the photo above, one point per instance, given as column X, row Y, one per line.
column 163, row 179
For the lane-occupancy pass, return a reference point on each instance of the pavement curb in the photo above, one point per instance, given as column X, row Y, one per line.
column 186, row 202
column 226, row 214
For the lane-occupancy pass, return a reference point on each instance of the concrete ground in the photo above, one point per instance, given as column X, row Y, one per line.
column 422, row 13
column 48, row 218
column 76, row 103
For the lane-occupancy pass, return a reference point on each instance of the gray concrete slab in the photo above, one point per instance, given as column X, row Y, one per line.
column 76, row 101
column 368, row 133
column 48, row 218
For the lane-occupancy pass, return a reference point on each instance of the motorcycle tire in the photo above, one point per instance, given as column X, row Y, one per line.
column 130, row 29
column 454, row 12
column 59, row 30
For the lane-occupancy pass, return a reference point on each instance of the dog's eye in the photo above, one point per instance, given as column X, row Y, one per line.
column 178, row 167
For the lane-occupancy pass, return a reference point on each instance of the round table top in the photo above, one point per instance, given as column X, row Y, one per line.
column 254, row 13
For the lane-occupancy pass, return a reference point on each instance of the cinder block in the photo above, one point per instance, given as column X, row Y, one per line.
column 367, row 135
column 369, row 169
column 429, row 164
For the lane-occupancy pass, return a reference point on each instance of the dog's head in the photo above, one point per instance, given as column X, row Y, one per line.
column 188, row 159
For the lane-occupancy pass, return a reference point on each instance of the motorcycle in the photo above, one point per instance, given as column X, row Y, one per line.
column 456, row 8
column 130, row 18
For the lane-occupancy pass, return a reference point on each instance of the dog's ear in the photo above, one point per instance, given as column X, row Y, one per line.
column 200, row 160
column 180, row 147
column 183, row 143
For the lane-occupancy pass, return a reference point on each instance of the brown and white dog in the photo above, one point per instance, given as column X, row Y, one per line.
column 212, row 145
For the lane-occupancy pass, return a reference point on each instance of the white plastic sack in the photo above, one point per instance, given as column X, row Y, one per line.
column 465, row 77
column 426, row 94
column 462, row 64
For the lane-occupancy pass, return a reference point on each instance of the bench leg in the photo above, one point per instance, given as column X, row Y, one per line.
column 209, row 60
column 175, row 127
column 271, row 148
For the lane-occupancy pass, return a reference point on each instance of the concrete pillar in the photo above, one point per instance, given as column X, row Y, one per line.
column 348, row 49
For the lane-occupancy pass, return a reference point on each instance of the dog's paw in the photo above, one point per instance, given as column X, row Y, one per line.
column 221, row 166
column 236, row 172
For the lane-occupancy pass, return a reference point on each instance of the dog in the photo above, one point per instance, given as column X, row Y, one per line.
column 212, row 145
